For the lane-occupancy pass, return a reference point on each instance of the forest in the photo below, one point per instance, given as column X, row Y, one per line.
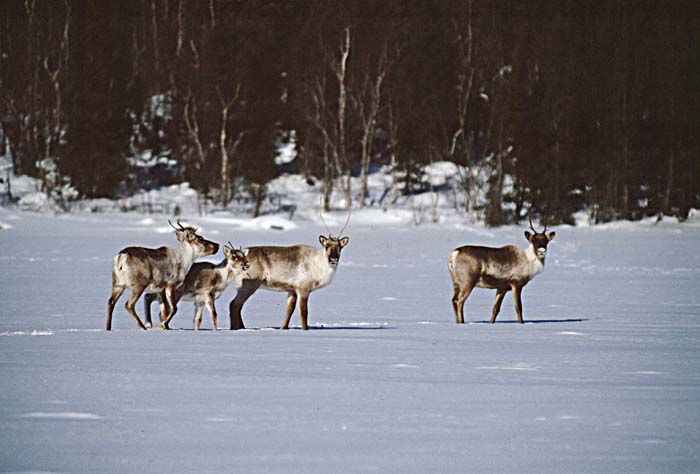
column 580, row 105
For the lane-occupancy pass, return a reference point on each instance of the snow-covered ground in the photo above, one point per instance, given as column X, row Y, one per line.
column 603, row 378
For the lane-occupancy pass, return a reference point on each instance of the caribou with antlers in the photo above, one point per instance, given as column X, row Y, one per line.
column 503, row 269
column 297, row 270
column 158, row 271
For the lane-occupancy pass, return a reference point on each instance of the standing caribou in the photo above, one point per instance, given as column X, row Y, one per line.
column 158, row 271
column 502, row 269
column 204, row 284
column 298, row 270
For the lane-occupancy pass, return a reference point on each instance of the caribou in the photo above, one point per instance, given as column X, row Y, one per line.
column 158, row 271
column 297, row 270
column 204, row 284
column 502, row 269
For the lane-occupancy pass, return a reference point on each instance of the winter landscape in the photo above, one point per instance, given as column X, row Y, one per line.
column 430, row 125
column 603, row 377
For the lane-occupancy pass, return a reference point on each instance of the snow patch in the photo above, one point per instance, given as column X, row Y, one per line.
column 25, row 333
column 516, row 367
column 61, row 415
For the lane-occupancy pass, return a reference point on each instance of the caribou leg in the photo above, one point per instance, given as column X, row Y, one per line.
column 291, row 304
column 116, row 294
column 497, row 305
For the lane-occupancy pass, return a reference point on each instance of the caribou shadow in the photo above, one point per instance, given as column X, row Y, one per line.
column 534, row 321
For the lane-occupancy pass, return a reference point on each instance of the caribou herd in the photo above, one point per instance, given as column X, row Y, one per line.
column 171, row 274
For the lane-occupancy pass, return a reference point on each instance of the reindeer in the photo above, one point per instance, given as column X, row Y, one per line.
column 503, row 269
column 298, row 270
column 205, row 282
column 158, row 271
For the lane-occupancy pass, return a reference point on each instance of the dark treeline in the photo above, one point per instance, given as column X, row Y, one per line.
column 583, row 104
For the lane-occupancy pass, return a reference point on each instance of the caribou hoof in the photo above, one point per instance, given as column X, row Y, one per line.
column 149, row 325
column 163, row 327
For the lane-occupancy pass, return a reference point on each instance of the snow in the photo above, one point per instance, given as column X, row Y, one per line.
column 287, row 152
column 603, row 377
column 292, row 194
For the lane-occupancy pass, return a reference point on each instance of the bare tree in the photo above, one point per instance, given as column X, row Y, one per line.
column 392, row 124
column 367, row 99
column 464, row 39
column 327, row 122
column 227, row 146
column 328, row 149
column 189, row 115
column 338, row 64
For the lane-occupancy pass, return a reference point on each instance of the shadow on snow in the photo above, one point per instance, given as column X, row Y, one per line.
column 534, row 321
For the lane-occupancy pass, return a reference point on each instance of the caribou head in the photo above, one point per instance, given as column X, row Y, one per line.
column 539, row 240
column 333, row 245
column 236, row 258
column 188, row 236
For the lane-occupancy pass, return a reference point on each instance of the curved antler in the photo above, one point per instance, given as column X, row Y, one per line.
column 182, row 228
column 320, row 212
column 529, row 219
column 346, row 222
column 544, row 221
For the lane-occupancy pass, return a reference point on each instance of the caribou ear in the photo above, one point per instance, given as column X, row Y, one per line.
column 528, row 235
column 344, row 241
column 323, row 240
column 550, row 236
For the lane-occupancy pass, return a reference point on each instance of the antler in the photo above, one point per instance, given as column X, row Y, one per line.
column 544, row 221
column 346, row 222
column 529, row 219
column 180, row 227
column 320, row 212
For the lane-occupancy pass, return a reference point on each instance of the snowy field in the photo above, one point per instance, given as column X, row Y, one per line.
column 603, row 378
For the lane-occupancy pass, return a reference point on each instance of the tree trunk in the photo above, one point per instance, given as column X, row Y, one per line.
column 341, row 73
column 393, row 143
column 328, row 179
column 666, row 205
column 494, row 216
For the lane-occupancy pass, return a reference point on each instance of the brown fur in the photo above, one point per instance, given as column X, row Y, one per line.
column 502, row 269
column 161, row 270
column 297, row 270
column 205, row 282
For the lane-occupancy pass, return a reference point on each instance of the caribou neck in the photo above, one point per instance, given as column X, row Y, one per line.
column 535, row 262
column 186, row 255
